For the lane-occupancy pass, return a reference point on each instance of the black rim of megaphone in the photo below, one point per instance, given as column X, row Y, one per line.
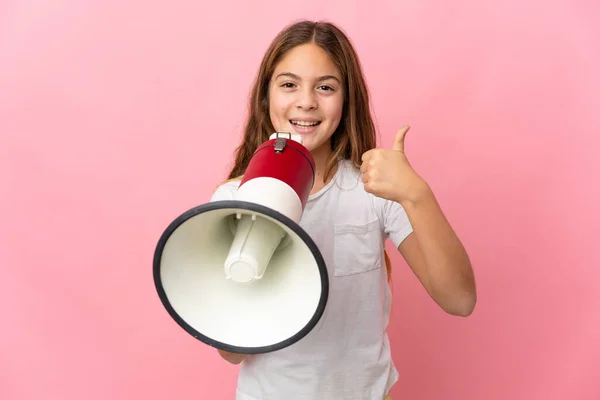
column 242, row 205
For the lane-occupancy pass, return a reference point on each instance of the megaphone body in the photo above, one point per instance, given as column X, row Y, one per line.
column 241, row 275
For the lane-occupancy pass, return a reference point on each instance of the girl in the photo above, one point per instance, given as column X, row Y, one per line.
column 310, row 83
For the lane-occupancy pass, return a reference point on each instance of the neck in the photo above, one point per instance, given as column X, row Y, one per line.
column 321, row 156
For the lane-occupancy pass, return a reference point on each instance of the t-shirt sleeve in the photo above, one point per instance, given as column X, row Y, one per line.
column 225, row 191
column 396, row 224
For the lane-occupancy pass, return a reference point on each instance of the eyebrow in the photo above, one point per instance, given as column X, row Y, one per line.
column 320, row 79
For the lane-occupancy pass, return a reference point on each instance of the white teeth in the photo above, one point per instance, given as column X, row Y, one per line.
column 307, row 124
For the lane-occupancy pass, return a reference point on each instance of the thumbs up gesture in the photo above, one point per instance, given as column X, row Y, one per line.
column 388, row 174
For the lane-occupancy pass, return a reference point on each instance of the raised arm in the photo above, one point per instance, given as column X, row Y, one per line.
column 433, row 250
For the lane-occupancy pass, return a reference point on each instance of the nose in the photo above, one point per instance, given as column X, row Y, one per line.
column 307, row 100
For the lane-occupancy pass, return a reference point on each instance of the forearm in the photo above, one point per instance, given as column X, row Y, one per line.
column 448, row 267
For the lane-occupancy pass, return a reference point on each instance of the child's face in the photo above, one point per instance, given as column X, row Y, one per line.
column 306, row 96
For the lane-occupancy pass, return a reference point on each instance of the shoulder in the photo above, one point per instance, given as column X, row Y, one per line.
column 226, row 190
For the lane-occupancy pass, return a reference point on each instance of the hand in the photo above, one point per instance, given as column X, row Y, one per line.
column 389, row 175
column 233, row 358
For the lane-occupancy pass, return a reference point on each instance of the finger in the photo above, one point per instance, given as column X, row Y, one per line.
column 399, row 139
column 364, row 167
column 366, row 155
column 368, row 186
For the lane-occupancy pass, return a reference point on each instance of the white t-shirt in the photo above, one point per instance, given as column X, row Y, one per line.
column 347, row 355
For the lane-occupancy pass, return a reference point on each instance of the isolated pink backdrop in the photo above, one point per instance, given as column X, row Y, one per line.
column 116, row 116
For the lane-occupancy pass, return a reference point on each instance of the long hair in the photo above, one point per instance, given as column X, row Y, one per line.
column 355, row 133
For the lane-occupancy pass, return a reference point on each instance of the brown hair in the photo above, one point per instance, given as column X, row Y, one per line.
column 356, row 132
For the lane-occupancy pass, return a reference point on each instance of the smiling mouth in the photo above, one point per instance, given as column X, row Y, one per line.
column 304, row 124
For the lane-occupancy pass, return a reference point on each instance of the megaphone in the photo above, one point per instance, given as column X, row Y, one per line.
column 241, row 275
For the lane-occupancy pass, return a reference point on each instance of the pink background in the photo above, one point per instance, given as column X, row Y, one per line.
column 118, row 115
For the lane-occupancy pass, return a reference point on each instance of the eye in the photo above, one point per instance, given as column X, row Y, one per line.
column 326, row 88
column 287, row 85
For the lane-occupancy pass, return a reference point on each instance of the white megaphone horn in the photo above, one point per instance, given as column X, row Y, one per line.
column 241, row 275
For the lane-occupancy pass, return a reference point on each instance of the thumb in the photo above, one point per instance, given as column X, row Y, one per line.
column 399, row 140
